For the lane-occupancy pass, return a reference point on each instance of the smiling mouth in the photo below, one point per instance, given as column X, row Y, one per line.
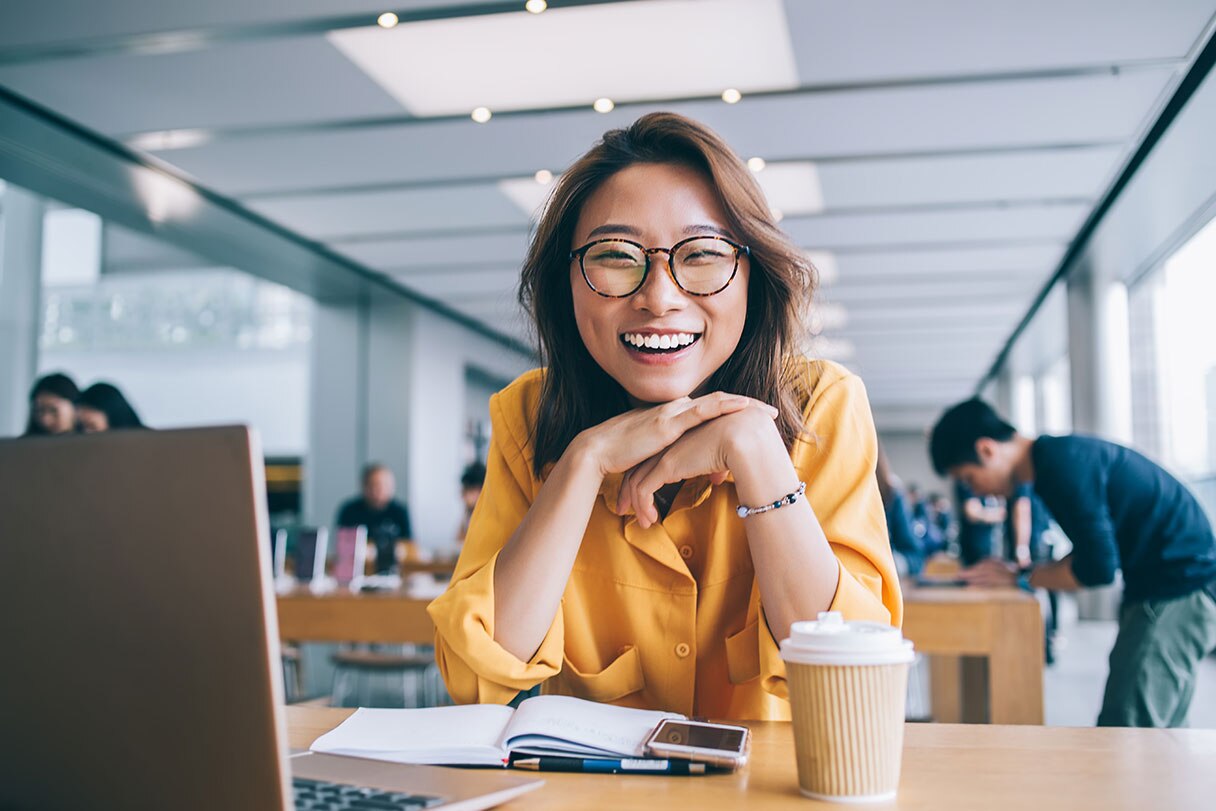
column 651, row 344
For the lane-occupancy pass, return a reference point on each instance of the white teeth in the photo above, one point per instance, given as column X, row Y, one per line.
column 652, row 341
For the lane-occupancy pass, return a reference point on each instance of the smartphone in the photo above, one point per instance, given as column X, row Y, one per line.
column 722, row 745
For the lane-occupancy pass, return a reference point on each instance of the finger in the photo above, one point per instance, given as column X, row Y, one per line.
column 642, row 501
column 719, row 476
column 660, row 471
column 703, row 409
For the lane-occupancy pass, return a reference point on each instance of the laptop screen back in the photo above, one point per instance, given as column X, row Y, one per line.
column 141, row 651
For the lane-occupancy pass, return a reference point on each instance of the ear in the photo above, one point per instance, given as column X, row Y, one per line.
column 985, row 449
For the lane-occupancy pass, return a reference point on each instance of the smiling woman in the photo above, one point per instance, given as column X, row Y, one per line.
column 609, row 557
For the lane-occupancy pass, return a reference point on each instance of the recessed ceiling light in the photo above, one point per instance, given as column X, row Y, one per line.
column 536, row 6
column 482, row 114
column 544, row 177
column 603, row 105
column 164, row 140
column 756, row 164
column 731, row 96
column 387, row 20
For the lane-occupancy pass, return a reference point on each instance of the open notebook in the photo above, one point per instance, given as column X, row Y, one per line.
column 486, row 734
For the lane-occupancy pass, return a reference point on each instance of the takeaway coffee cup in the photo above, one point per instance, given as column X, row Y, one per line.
column 848, row 683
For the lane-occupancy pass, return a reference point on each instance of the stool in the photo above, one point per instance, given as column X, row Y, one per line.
column 419, row 675
column 293, row 678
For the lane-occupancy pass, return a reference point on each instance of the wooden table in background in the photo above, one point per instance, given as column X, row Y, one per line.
column 389, row 617
column 946, row 767
column 1005, row 626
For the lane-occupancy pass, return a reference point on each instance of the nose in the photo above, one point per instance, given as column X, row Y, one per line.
column 659, row 294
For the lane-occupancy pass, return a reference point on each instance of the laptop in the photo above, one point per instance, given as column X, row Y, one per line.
column 141, row 650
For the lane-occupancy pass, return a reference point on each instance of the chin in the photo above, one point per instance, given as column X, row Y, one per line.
column 657, row 393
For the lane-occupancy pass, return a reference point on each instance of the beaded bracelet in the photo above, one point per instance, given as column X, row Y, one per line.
column 744, row 512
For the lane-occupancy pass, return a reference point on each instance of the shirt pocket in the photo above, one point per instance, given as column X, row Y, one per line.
column 621, row 677
column 743, row 654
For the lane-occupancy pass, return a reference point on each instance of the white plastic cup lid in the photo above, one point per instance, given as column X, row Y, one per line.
column 832, row 641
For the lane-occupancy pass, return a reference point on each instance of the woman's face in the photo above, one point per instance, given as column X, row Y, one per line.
column 55, row 414
column 657, row 205
column 92, row 421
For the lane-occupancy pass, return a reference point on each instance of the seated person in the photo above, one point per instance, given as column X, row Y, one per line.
column 910, row 551
column 53, row 406
column 471, row 481
column 387, row 520
column 102, row 407
column 678, row 484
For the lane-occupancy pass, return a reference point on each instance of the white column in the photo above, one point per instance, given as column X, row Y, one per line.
column 336, row 431
column 1099, row 356
column 359, row 405
column 20, row 304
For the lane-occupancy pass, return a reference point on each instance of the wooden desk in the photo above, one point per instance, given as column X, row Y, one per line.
column 340, row 616
column 1003, row 625
column 945, row 767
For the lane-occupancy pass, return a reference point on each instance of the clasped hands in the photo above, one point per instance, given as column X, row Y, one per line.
column 680, row 440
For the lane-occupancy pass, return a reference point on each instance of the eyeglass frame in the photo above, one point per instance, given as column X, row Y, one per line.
column 581, row 253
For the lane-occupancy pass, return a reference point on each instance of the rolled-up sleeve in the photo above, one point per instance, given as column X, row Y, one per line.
column 837, row 460
column 475, row 668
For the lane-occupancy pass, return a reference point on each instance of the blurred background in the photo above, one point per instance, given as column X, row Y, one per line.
column 309, row 216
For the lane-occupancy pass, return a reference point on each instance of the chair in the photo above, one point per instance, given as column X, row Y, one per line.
column 419, row 676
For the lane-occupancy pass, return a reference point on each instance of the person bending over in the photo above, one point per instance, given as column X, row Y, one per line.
column 1121, row 511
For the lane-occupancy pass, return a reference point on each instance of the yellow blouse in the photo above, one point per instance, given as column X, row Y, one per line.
column 666, row 618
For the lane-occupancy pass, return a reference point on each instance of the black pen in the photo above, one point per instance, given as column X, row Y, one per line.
column 609, row 765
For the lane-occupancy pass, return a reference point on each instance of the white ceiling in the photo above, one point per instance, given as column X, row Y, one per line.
column 943, row 153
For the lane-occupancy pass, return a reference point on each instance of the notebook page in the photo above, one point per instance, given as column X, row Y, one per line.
column 466, row 735
column 572, row 725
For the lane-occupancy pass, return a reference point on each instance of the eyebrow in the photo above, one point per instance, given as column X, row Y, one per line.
column 689, row 230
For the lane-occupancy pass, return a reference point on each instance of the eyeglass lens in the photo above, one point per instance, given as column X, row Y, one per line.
column 700, row 266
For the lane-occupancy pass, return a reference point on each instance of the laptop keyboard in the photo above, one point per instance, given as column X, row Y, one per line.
column 319, row 795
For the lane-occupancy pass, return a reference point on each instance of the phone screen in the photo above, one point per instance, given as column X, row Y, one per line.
column 700, row 736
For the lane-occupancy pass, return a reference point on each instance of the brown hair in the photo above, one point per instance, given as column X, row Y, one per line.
column 577, row 393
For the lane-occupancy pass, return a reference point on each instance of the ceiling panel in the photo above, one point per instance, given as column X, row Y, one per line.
column 281, row 81
column 996, row 115
column 1059, row 173
column 469, row 207
column 961, row 261
column 436, row 251
column 720, row 43
column 46, row 22
column 887, row 39
column 1051, row 223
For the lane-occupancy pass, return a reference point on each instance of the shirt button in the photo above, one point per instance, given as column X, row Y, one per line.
column 686, row 551
column 682, row 650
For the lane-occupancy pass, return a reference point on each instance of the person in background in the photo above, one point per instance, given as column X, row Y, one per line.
column 1026, row 526
column 905, row 543
column 102, row 407
column 978, row 519
column 1120, row 511
column 387, row 520
column 471, row 481
column 53, row 406
column 920, row 511
column 943, row 519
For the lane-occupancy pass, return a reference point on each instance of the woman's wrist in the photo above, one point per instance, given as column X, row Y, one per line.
column 583, row 456
column 760, row 464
